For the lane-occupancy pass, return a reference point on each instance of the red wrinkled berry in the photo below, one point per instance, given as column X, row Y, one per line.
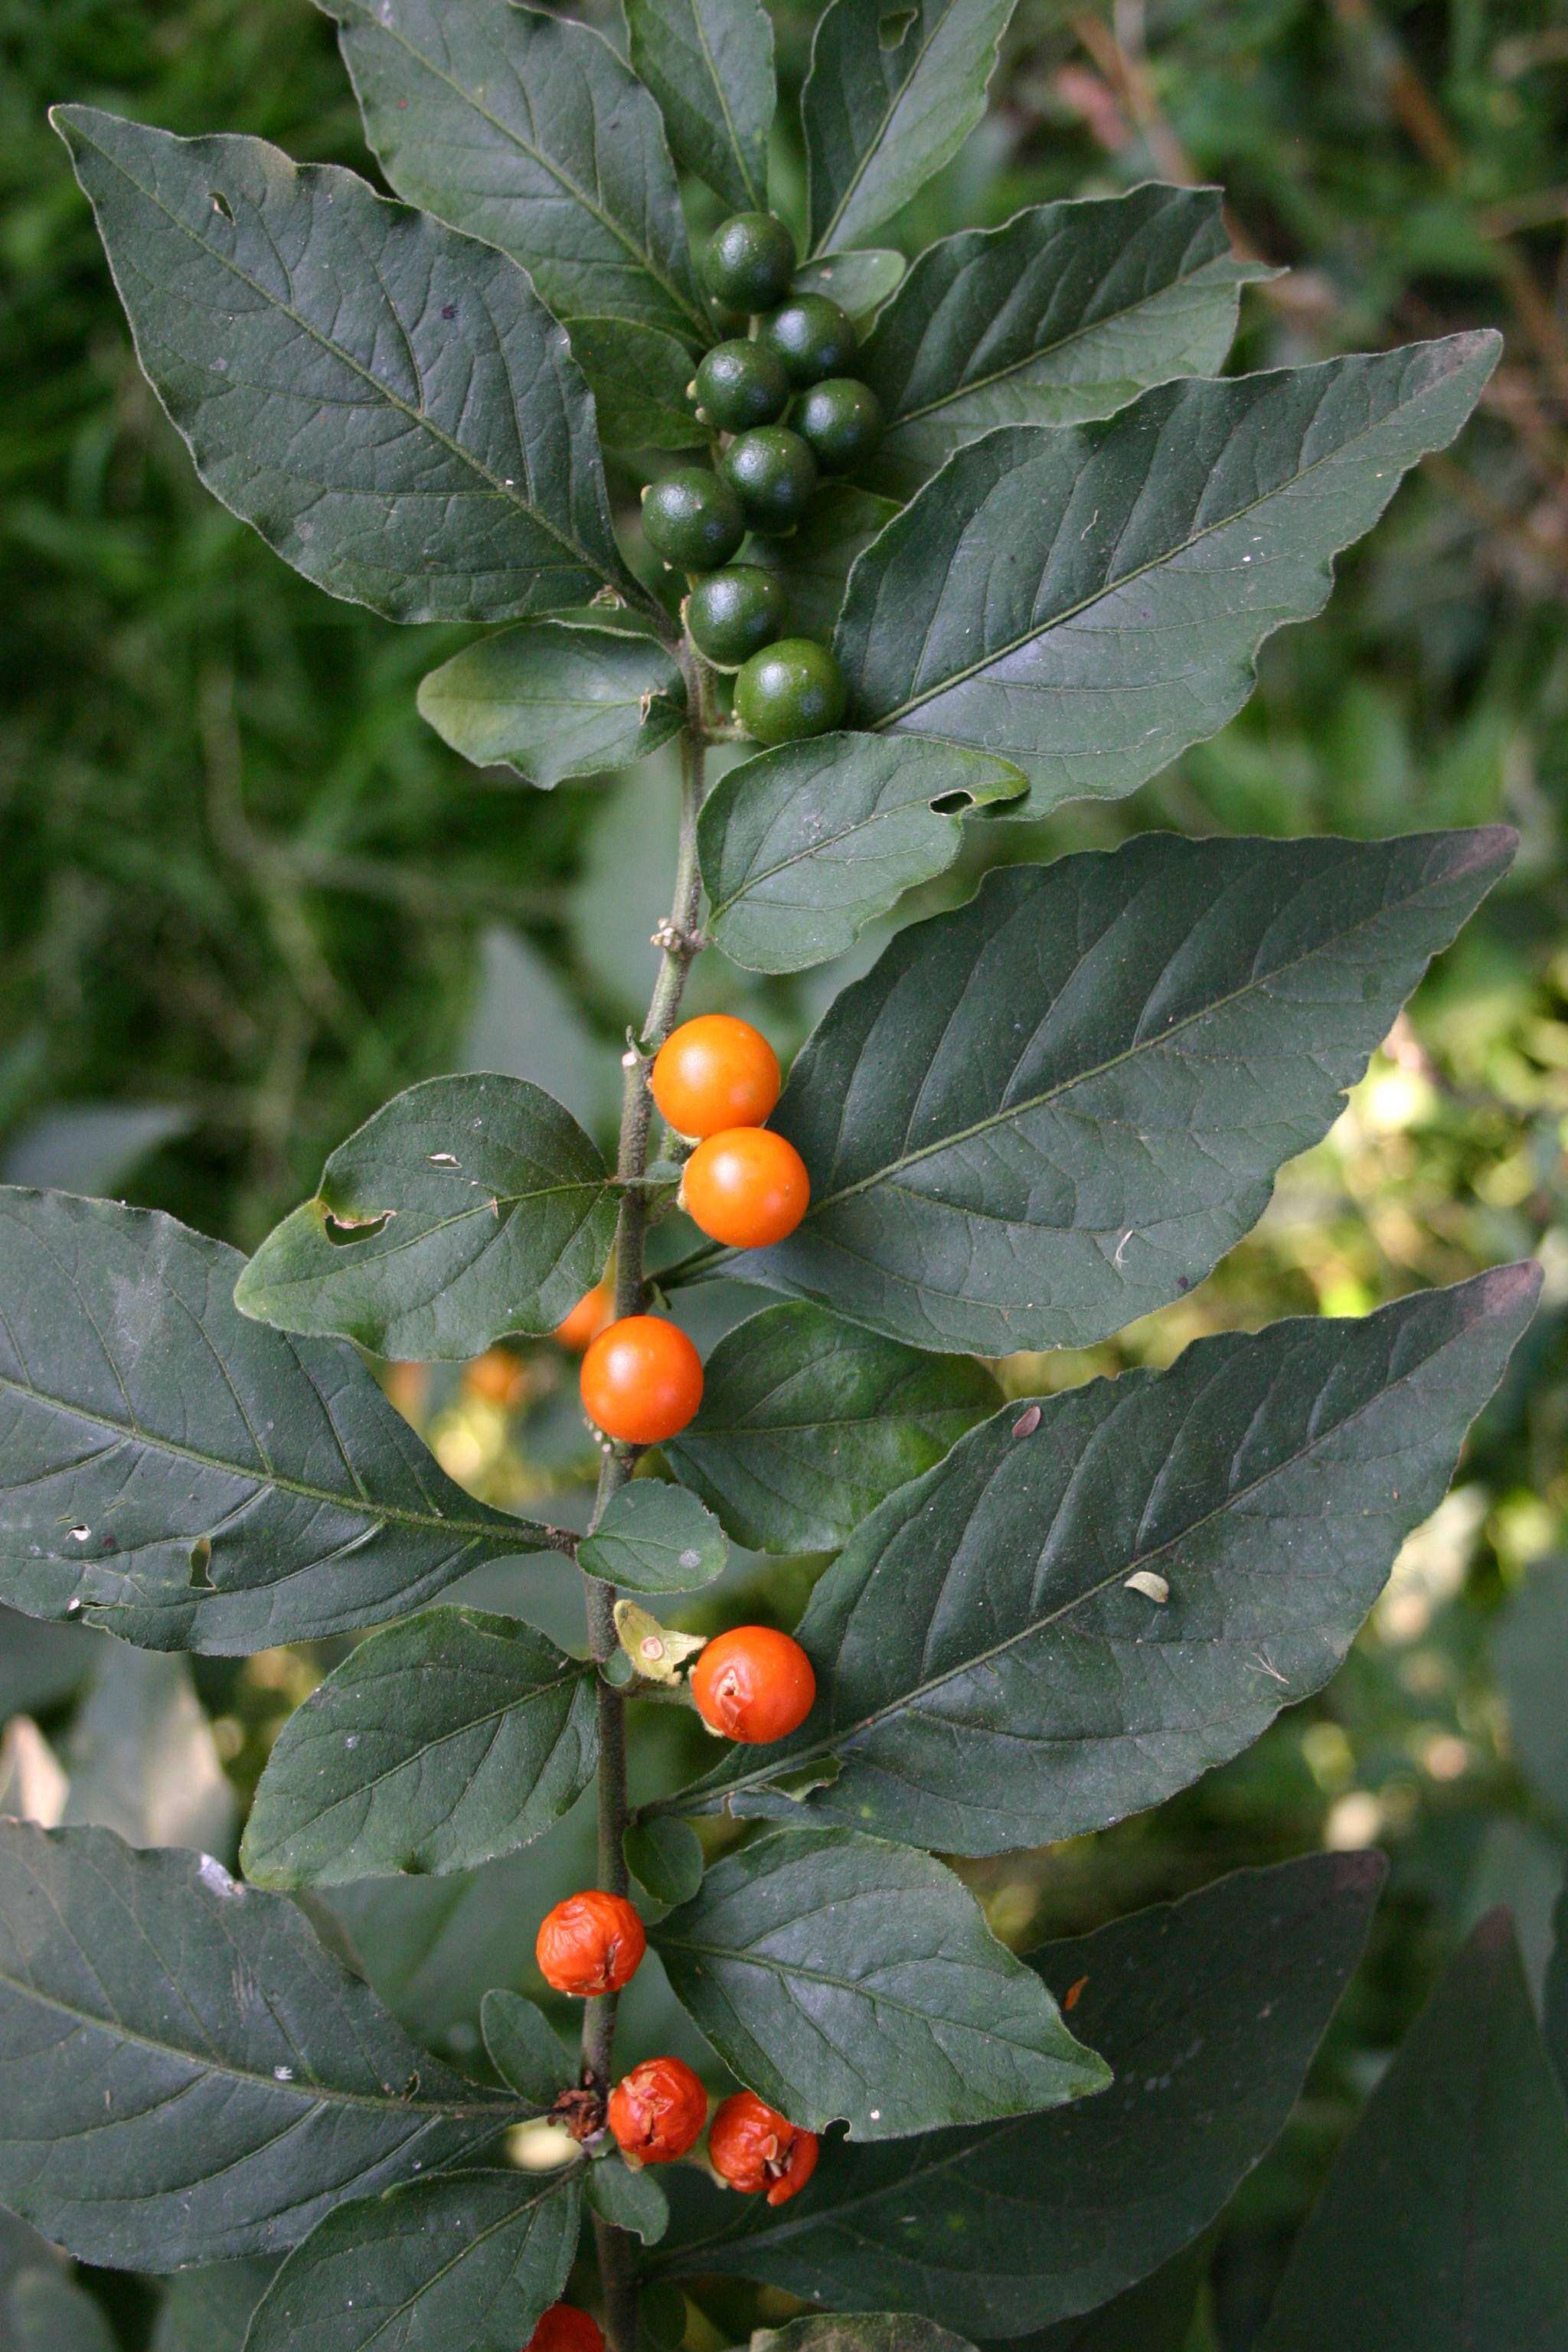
column 754, row 1685
column 590, row 1943
column 658, row 2111
column 755, row 2148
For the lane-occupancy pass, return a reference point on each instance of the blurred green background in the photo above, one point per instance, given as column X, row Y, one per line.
column 246, row 894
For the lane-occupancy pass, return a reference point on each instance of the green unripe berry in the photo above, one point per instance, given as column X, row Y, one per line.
column 772, row 474
column 692, row 518
column 812, row 336
column 792, row 689
column 731, row 615
column 749, row 261
column 841, row 421
column 742, row 384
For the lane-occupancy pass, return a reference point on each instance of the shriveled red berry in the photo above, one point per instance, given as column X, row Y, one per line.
column 759, row 2151
column 658, row 2111
column 590, row 1944
column 564, row 2329
column 754, row 1685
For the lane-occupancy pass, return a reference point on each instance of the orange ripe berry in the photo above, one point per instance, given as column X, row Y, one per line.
column 754, row 1685
column 564, row 2329
column 658, row 2111
column 497, row 1378
column 746, row 1187
column 753, row 2148
column 590, row 1944
column 641, row 1380
column 715, row 1072
column 586, row 1320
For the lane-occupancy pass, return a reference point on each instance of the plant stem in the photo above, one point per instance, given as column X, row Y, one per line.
column 681, row 942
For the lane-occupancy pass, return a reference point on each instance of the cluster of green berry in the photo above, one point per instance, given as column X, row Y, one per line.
column 798, row 351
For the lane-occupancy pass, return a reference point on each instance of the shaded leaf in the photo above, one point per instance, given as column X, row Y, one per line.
column 253, row 2082
column 1556, row 1993
column 985, row 1676
column 639, row 378
column 859, row 282
column 664, row 1855
column 1067, row 312
column 814, row 563
column 1087, row 600
column 464, row 1209
column 1529, row 1648
column 527, row 1024
column 472, row 2259
column 892, row 96
column 45, row 2311
column 710, row 64
column 1208, row 2013
column 390, row 405
column 440, row 1742
column 201, row 1457
column 142, row 1758
column 865, row 2331
column 1445, row 2222
column 844, row 1978
column 525, row 2049
column 209, row 2311
column 554, row 698
column 802, row 846
column 1053, row 1109
column 631, row 2201
column 1155, row 2315
column 527, row 130
column 806, row 1423
column 433, row 1947
column 89, row 1147
column 654, row 1538
column 40, row 1664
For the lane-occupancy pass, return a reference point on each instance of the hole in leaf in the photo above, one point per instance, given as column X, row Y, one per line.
column 892, row 28
column 201, row 1564
column 952, row 804
column 342, row 1231
column 221, row 205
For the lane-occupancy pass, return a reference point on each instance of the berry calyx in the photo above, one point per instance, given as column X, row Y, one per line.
column 564, row 2329
column 812, row 336
column 733, row 614
column 692, row 518
column 592, row 1943
column 641, row 1380
column 754, row 1685
column 658, row 2111
column 755, row 2149
column 790, row 690
column 713, row 1072
column 841, row 421
column 587, row 1319
column 745, row 1187
column 740, row 384
column 772, row 474
column 748, row 262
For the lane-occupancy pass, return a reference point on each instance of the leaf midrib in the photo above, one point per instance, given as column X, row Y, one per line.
column 492, row 1205
column 758, row 195
column 831, row 846
column 824, row 243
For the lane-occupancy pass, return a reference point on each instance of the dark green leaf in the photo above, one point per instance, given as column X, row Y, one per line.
column 472, row 2259
column 806, row 1423
column 859, row 282
column 1087, row 600
column 654, row 1538
column 664, row 1855
column 892, row 96
column 631, row 2201
column 640, row 380
column 1055, row 1108
column 1530, row 1651
column 814, row 563
column 1556, row 1992
column 439, row 1743
column 844, row 1978
column 866, row 2331
column 45, row 2311
column 465, row 1209
column 1445, row 2222
column 253, row 2083
column 433, row 1947
column 803, row 845
column 189, row 1478
column 1208, row 2013
column 525, row 2049
column 209, row 2311
column 1065, row 313
column 555, row 698
column 142, row 1758
column 527, row 130
column 710, row 64
column 40, row 1664
column 991, row 1677
column 1155, row 2315
column 390, row 405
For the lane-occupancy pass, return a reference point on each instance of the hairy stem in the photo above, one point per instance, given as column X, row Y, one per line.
column 680, row 943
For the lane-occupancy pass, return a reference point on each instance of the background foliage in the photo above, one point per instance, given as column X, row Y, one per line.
column 248, row 894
